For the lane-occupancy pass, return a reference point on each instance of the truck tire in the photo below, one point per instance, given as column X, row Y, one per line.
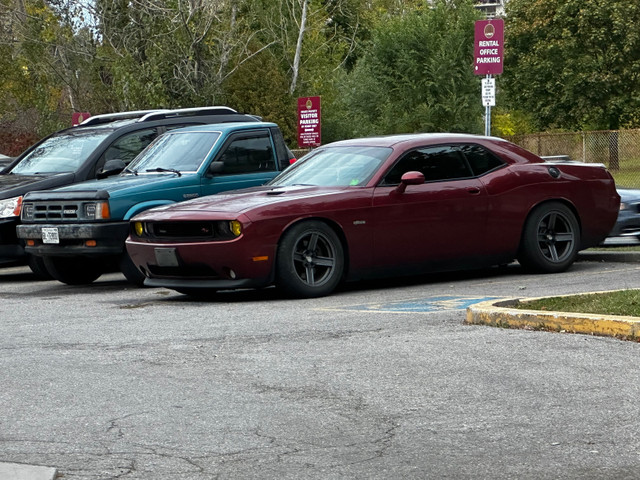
column 74, row 270
column 36, row 264
column 130, row 271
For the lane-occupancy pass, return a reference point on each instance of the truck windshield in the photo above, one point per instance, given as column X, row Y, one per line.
column 181, row 152
column 61, row 153
column 334, row 167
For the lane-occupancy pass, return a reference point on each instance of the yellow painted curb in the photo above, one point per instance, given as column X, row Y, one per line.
column 500, row 313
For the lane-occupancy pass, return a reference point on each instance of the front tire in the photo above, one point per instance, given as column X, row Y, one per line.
column 310, row 260
column 550, row 240
column 74, row 270
column 130, row 271
column 37, row 266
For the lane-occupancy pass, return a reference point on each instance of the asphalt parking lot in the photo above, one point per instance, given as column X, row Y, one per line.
column 382, row 380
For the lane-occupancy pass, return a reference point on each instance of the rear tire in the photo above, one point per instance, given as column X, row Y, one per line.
column 550, row 239
column 74, row 270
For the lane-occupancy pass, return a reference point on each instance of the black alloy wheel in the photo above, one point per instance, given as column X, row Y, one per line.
column 310, row 260
column 551, row 239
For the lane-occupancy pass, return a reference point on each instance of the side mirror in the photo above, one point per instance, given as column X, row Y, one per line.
column 111, row 167
column 410, row 178
column 215, row 167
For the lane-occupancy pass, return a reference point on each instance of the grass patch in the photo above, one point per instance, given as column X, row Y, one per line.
column 624, row 302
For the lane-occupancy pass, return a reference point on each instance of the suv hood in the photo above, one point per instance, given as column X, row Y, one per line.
column 14, row 185
column 121, row 183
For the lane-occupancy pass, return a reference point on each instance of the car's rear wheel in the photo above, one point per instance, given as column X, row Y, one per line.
column 551, row 239
column 74, row 270
column 37, row 266
column 310, row 260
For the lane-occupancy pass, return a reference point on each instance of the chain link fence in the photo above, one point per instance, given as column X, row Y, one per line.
column 619, row 150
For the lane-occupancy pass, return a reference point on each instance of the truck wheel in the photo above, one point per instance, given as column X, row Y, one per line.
column 74, row 270
column 130, row 271
column 36, row 264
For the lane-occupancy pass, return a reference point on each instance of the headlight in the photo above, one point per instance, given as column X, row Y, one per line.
column 138, row 228
column 97, row 211
column 235, row 227
column 10, row 207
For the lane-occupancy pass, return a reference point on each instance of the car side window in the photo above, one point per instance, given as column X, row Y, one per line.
column 480, row 159
column 127, row 147
column 435, row 163
column 248, row 154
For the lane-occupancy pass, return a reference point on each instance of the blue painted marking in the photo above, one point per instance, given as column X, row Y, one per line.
column 432, row 304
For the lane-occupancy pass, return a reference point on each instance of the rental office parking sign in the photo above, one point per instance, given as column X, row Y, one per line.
column 488, row 51
column 309, row 122
column 488, row 47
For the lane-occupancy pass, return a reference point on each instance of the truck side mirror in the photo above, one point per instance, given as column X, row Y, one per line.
column 215, row 167
column 111, row 167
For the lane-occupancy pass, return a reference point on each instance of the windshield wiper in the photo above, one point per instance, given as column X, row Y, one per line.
column 128, row 170
column 162, row 169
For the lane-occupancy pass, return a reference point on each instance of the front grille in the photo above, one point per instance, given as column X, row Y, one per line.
column 195, row 231
column 55, row 211
column 183, row 230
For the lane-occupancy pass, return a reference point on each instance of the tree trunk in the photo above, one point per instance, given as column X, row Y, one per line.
column 296, row 58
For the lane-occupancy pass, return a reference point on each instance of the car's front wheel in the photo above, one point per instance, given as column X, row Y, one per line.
column 551, row 239
column 310, row 260
column 74, row 270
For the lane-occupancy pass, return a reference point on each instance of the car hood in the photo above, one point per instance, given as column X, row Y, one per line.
column 14, row 185
column 120, row 183
column 236, row 202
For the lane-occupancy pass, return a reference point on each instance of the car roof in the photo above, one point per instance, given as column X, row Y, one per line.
column 224, row 127
column 434, row 138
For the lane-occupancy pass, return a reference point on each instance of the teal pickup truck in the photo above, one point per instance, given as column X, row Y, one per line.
column 80, row 230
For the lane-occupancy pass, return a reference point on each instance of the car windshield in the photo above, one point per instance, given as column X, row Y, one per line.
column 182, row 152
column 61, row 153
column 335, row 167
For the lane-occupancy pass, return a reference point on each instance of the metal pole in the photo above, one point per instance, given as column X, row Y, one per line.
column 487, row 117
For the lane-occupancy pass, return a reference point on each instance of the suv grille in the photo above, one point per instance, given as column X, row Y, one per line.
column 55, row 211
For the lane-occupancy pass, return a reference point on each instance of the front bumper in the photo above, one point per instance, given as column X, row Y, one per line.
column 109, row 239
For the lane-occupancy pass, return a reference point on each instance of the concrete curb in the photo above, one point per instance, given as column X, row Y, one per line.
column 21, row 471
column 501, row 313
column 604, row 256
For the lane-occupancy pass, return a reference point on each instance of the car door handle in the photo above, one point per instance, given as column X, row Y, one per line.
column 473, row 190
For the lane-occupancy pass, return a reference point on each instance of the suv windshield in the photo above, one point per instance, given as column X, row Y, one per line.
column 61, row 153
column 183, row 152
column 335, row 167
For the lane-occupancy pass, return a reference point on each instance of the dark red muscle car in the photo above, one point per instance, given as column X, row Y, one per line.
column 378, row 207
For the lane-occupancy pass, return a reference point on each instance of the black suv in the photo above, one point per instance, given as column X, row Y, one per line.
column 79, row 153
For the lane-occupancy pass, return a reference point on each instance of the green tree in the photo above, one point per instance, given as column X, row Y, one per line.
column 416, row 76
column 574, row 64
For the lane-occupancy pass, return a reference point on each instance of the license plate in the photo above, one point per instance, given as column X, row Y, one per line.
column 50, row 235
column 166, row 257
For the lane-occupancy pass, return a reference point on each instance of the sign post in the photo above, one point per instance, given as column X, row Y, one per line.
column 488, row 60
column 309, row 125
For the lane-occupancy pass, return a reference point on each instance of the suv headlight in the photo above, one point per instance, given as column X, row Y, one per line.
column 97, row 211
column 10, row 207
